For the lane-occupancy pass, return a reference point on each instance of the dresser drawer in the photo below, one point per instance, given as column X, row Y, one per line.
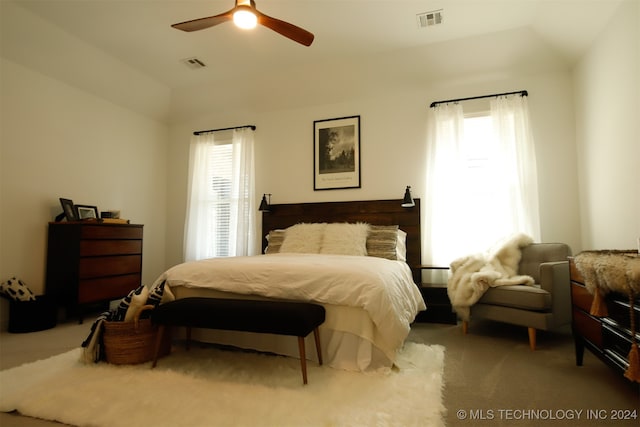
column 107, row 288
column 109, row 266
column 588, row 327
column 619, row 311
column 111, row 232
column 110, row 247
column 581, row 297
column 615, row 340
column 91, row 261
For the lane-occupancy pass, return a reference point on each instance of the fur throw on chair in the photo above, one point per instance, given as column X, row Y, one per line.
column 472, row 275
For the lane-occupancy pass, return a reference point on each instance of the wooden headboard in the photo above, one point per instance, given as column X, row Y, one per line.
column 375, row 212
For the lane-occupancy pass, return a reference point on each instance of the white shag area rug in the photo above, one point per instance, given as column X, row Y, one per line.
column 216, row 387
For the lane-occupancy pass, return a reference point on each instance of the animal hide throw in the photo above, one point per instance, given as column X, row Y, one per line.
column 614, row 271
column 472, row 275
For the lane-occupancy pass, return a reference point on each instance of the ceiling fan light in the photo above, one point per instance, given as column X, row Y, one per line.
column 245, row 19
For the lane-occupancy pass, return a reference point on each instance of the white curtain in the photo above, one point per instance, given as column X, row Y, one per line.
column 221, row 206
column 516, row 156
column 472, row 201
column 445, row 183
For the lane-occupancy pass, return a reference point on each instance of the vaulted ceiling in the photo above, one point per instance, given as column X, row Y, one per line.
column 354, row 39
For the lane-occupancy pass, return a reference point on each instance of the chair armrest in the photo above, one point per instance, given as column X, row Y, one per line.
column 554, row 278
column 553, row 274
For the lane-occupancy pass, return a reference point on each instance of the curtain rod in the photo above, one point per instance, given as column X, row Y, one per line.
column 521, row 92
column 198, row 132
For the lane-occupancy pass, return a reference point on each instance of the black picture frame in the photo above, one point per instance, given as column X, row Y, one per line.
column 68, row 209
column 336, row 153
column 86, row 212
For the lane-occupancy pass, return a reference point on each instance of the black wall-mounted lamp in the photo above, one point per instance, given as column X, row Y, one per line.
column 407, row 201
column 264, row 205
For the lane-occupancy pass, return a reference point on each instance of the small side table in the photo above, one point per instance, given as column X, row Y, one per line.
column 434, row 293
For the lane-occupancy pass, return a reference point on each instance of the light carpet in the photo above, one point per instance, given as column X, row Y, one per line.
column 217, row 387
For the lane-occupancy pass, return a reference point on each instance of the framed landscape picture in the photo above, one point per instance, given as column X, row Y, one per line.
column 336, row 153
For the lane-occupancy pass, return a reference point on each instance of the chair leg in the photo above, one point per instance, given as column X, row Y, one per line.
column 303, row 359
column 316, row 335
column 532, row 338
column 465, row 327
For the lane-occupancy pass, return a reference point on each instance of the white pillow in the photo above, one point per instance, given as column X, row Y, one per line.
column 401, row 246
column 345, row 239
column 303, row 238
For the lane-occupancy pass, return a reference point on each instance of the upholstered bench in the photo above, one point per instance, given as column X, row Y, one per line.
column 271, row 317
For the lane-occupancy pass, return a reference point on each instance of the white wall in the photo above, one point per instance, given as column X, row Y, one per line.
column 607, row 89
column 393, row 135
column 60, row 141
column 64, row 140
column 93, row 133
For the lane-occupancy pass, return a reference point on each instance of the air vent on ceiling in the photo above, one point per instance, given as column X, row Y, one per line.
column 429, row 19
column 194, row 63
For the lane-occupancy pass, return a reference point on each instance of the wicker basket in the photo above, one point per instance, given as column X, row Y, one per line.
column 129, row 343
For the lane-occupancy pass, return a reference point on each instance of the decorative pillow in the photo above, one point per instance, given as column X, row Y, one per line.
column 123, row 307
column 345, row 239
column 138, row 299
column 382, row 241
column 17, row 290
column 303, row 238
column 156, row 293
column 274, row 241
column 401, row 246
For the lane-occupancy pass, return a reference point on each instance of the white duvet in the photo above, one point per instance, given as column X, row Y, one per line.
column 383, row 288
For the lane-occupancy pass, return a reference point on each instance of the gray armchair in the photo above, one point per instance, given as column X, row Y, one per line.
column 546, row 305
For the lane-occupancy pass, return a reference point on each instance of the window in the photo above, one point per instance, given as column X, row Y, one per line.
column 221, row 208
column 481, row 180
column 489, row 216
column 476, row 145
column 219, row 203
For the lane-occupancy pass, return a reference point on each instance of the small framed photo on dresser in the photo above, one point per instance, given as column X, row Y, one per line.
column 86, row 212
column 68, row 209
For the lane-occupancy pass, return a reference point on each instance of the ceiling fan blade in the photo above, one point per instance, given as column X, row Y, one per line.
column 202, row 23
column 290, row 31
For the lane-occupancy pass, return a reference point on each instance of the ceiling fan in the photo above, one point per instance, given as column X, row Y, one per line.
column 245, row 15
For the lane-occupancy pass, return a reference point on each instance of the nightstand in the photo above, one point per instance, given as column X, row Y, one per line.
column 434, row 292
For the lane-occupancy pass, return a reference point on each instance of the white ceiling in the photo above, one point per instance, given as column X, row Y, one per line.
column 347, row 32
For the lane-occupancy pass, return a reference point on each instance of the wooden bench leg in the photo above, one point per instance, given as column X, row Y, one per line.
column 303, row 359
column 159, row 338
column 316, row 335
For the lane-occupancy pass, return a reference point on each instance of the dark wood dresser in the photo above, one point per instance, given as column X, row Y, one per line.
column 609, row 337
column 90, row 262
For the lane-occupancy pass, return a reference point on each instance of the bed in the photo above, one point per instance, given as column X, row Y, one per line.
column 370, row 301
